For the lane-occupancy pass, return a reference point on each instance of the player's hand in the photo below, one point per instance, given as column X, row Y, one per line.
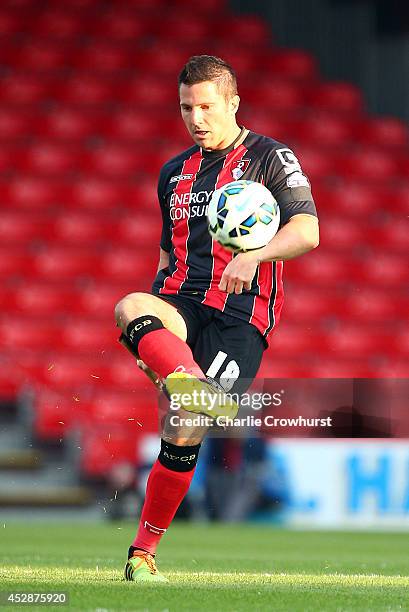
column 239, row 273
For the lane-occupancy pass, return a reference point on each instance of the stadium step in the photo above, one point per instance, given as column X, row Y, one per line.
column 46, row 496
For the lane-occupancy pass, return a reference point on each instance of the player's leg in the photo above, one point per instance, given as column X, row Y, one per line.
column 157, row 332
column 173, row 471
column 225, row 344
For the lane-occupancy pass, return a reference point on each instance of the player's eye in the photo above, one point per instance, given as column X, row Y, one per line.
column 186, row 108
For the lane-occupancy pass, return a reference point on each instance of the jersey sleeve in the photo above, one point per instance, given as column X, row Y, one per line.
column 288, row 184
column 166, row 239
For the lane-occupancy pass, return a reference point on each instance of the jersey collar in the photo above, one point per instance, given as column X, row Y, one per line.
column 222, row 152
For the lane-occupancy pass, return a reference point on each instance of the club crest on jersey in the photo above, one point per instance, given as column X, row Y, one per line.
column 239, row 167
column 181, row 177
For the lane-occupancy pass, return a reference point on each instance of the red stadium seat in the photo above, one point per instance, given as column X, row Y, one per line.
column 142, row 195
column 188, row 27
column 122, row 26
column 39, row 299
column 292, row 339
column 80, row 229
column 358, row 341
column 59, row 25
column 292, row 367
column 274, row 95
column 66, row 264
column 83, row 90
column 291, row 64
column 369, row 305
column 392, row 235
column 27, row 333
column 340, row 233
column 137, row 412
column 325, row 130
column 100, row 300
column 40, row 56
column 127, row 264
column 115, row 161
column 54, row 415
column 103, row 57
column 343, row 368
column 164, row 58
column 323, row 268
column 122, row 161
column 351, row 198
column 134, row 126
column 312, row 305
column 367, row 165
column 20, row 228
column 398, row 198
column 67, row 124
column 129, row 231
column 30, row 193
column 88, row 335
column 251, row 30
column 24, row 89
column 316, row 163
column 49, row 159
column 393, row 368
column 102, row 449
column 386, row 269
column 74, row 374
column 125, row 374
column 13, row 263
column 99, row 194
column 337, row 97
column 10, row 23
column 148, row 93
column 14, row 125
column 278, row 126
column 382, row 132
column 8, row 158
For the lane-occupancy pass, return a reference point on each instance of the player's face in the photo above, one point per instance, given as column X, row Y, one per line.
column 209, row 117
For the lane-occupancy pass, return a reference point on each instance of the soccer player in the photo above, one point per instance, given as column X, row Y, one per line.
column 210, row 313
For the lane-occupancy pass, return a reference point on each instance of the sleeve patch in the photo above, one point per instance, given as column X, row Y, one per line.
column 297, row 179
column 289, row 161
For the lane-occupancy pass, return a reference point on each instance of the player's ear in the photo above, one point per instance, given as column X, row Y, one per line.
column 234, row 104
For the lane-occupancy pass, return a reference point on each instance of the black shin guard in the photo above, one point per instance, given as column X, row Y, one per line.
column 138, row 328
column 178, row 458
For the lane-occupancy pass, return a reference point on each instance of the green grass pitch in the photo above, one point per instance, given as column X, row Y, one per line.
column 212, row 567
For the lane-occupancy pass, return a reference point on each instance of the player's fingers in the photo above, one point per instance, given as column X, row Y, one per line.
column 247, row 285
column 230, row 286
column 223, row 283
column 239, row 287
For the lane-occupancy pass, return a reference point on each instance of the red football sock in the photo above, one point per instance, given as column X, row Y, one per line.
column 164, row 492
column 163, row 352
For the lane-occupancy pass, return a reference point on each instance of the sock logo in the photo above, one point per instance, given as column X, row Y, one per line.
column 180, row 368
column 153, row 529
column 176, row 458
column 138, row 327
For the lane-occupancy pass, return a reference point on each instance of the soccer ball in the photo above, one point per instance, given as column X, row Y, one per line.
column 242, row 216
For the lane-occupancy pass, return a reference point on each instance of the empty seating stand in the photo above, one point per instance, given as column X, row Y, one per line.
column 88, row 114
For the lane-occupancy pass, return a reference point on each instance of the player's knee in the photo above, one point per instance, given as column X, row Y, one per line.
column 128, row 308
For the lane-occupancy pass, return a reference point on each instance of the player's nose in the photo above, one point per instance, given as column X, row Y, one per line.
column 196, row 117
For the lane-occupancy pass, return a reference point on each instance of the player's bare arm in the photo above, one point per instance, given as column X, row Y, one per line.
column 163, row 259
column 298, row 236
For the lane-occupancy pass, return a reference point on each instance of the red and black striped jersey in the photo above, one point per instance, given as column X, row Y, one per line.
column 196, row 262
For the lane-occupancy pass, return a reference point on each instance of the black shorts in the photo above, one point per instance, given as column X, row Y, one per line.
column 223, row 346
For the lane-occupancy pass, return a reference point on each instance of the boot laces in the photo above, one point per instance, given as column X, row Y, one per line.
column 149, row 560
